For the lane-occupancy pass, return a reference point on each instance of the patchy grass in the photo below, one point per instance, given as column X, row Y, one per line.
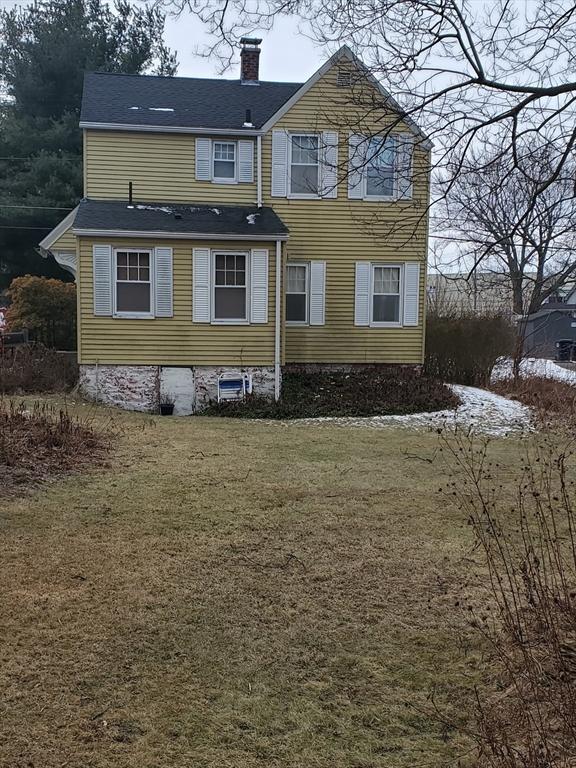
column 367, row 392
column 39, row 441
column 242, row 595
column 551, row 399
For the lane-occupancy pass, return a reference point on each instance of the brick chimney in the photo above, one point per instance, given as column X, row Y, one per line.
column 249, row 59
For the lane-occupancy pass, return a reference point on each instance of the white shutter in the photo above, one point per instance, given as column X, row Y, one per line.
column 279, row 163
column 411, row 292
column 102, row 261
column 317, row 292
column 356, row 150
column 259, row 286
column 329, row 164
column 246, row 161
column 404, row 150
column 362, row 293
column 203, row 159
column 201, row 289
column 163, row 282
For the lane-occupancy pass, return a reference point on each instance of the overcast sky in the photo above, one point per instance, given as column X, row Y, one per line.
column 286, row 53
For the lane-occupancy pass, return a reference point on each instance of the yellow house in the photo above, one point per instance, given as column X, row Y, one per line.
column 233, row 228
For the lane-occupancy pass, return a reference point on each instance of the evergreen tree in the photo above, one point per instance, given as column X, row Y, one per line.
column 44, row 51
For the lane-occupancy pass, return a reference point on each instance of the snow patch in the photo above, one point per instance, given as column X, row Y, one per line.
column 161, row 109
column 217, row 211
column 481, row 411
column 162, row 209
column 533, row 366
column 251, row 218
column 133, row 107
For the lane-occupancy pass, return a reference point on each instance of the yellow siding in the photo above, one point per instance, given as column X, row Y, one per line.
column 161, row 167
column 66, row 242
column 342, row 231
column 175, row 340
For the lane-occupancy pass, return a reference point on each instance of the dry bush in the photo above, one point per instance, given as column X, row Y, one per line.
column 528, row 620
column 463, row 347
column 40, row 441
column 36, row 369
column 551, row 399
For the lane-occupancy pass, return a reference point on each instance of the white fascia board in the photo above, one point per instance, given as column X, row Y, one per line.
column 174, row 235
column 346, row 53
column 58, row 230
column 171, row 129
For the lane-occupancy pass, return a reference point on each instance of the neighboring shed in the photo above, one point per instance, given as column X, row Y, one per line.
column 550, row 324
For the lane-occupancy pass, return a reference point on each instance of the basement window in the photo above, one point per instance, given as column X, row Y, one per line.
column 133, row 290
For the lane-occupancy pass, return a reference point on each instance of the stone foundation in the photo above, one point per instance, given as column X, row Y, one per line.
column 137, row 387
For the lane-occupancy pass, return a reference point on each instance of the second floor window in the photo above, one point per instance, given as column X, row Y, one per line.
column 381, row 167
column 304, row 165
column 230, row 287
column 297, row 293
column 224, row 161
column 133, row 282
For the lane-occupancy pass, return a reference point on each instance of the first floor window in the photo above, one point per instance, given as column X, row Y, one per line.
column 133, row 282
column 297, row 293
column 230, row 286
column 304, row 165
column 380, row 169
column 224, row 160
column 385, row 294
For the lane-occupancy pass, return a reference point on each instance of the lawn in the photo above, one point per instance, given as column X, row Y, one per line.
column 237, row 594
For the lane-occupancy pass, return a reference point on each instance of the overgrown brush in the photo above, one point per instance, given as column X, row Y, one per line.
column 366, row 392
column 529, row 618
column 463, row 347
column 36, row 369
column 551, row 400
column 41, row 440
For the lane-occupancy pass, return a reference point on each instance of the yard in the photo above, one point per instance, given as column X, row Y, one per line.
column 243, row 594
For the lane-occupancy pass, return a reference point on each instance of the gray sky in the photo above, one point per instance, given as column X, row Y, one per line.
column 286, row 54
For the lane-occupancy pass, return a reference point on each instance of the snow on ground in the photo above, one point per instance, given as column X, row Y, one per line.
column 484, row 412
column 533, row 366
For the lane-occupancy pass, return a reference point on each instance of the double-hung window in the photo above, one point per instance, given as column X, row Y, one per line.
column 230, row 287
column 297, row 282
column 224, row 161
column 133, row 284
column 304, row 164
column 381, row 167
column 386, row 283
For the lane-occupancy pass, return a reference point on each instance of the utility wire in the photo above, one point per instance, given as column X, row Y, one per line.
column 36, row 207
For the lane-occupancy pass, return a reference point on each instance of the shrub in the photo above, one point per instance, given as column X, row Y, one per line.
column 367, row 392
column 46, row 307
column 552, row 400
column 463, row 348
column 42, row 441
column 36, row 369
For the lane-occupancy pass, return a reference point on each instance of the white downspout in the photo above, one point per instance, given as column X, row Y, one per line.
column 278, row 306
column 259, row 171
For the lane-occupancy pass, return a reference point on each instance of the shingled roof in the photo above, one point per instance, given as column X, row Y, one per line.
column 245, row 221
column 181, row 102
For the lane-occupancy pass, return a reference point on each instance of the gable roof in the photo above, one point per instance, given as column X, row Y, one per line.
column 149, row 101
column 47, row 242
column 246, row 222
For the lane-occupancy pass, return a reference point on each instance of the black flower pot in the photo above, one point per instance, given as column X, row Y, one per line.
column 166, row 409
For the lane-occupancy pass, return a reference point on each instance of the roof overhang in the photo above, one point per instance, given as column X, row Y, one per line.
column 171, row 129
column 58, row 231
column 175, row 235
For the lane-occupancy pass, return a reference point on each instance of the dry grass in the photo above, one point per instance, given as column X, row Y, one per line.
column 551, row 400
column 237, row 595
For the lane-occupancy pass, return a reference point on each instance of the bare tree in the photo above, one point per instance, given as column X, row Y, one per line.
column 516, row 237
column 464, row 70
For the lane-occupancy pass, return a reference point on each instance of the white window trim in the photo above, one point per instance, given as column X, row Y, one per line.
column 390, row 324
column 228, row 321
column 303, row 195
column 306, row 265
column 218, row 179
column 382, row 198
column 133, row 315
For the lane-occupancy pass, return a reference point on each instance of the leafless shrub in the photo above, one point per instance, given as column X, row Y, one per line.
column 36, row 369
column 553, row 401
column 528, row 620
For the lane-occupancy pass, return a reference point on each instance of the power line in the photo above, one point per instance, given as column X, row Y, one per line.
column 44, row 229
column 36, row 207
